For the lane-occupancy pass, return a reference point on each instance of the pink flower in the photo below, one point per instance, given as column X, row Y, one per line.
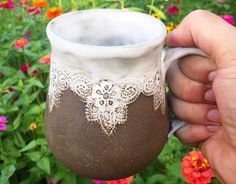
column 34, row 10
column 3, row 121
column 172, row 9
column 98, row 182
column 24, row 68
column 220, row 1
column 119, row 181
column 27, row 34
column 7, row 4
column 24, row 3
column 228, row 18
column 46, row 59
column 21, row 43
column 196, row 169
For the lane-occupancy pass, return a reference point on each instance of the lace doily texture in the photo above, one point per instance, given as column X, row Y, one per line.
column 106, row 101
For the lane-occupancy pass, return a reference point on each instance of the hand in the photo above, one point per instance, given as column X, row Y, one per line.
column 197, row 84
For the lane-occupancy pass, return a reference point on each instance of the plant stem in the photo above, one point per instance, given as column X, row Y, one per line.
column 150, row 10
column 39, row 103
column 94, row 3
column 59, row 3
column 26, row 61
column 122, row 4
column 74, row 5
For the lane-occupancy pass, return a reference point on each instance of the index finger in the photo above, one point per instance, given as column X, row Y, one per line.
column 208, row 32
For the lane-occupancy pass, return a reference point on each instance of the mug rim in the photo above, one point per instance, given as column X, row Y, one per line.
column 129, row 50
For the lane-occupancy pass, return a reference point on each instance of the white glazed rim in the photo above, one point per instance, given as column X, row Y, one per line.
column 128, row 51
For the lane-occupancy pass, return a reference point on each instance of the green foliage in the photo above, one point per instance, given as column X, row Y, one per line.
column 24, row 155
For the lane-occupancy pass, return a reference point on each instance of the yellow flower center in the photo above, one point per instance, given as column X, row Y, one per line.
column 20, row 41
column 32, row 126
column 200, row 164
column 54, row 9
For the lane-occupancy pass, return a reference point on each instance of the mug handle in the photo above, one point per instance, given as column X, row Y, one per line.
column 170, row 56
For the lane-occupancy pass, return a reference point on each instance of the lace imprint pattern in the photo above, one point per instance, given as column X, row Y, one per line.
column 106, row 101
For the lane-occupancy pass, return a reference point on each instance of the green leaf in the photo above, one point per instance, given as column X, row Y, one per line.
column 157, row 10
column 18, row 140
column 58, row 176
column 20, row 84
column 35, row 109
column 136, row 9
column 44, row 164
column 36, row 82
column 6, row 173
column 41, row 141
column 69, row 178
column 157, row 178
column 13, row 109
column 138, row 180
column 29, row 146
column 34, row 156
column 7, row 71
column 16, row 122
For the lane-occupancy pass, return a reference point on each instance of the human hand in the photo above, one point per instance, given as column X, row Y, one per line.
column 197, row 84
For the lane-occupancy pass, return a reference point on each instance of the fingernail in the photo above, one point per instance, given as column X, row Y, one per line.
column 212, row 76
column 212, row 128
column 210, row 96
column 213, row 115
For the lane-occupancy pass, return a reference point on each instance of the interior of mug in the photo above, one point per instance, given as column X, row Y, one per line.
column 106, row 27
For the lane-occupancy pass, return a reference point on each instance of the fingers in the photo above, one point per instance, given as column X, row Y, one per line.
column 197, row 68
column 192, row 134
column 204, row 30
column 184, row 87
column 194, row 112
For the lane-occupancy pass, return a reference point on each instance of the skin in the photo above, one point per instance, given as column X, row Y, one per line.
column 203, row 90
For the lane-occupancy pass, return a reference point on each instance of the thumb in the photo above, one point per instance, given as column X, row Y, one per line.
column 208, row 32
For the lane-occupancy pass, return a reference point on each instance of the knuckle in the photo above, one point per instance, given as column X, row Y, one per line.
column 192, row 133
column 198, row 14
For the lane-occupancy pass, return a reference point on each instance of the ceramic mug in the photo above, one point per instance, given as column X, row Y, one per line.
column 106, row 115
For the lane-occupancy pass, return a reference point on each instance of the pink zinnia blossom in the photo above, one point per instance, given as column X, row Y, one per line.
column 172, row 9
column 21, row 43
column 98, row 181
column 24, row 3
column 33, row 11
column 228, row 18
column 7, row 4
column 119, row 181
column 24, row 68
column 196, row 169
column 3, row 127
column 27, row 34
column 46, row 59
column 3, row 121
column 220, row 1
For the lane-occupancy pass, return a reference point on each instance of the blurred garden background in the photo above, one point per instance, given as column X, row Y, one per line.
column 24, row 70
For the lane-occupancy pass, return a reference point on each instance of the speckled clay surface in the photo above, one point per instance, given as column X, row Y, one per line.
column 85, row 149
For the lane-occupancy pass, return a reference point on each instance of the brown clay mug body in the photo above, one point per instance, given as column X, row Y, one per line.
column 106, row 115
